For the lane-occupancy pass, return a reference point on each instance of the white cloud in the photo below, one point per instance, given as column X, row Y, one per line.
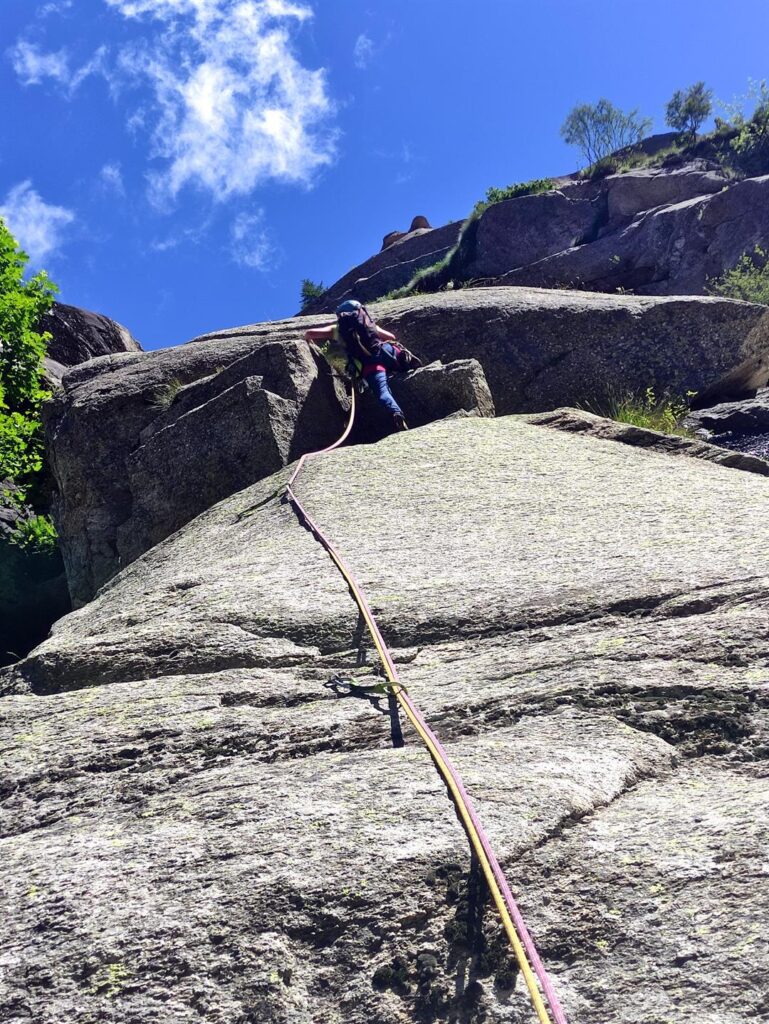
column 55, row 7
column 250, row 241
column 33, row 66
column 363, row 51
column 111, row 179
column 37, row 226
column 233, row 105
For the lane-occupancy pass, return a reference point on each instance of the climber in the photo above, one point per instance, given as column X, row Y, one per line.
column 371, row 352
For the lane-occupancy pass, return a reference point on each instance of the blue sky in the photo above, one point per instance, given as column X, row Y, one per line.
column 181, row 165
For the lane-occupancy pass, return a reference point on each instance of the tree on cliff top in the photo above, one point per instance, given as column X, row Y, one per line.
column 689, row 108
column 601, row 129
column 22, row 349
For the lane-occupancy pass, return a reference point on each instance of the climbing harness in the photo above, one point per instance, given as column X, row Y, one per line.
column 523, row 945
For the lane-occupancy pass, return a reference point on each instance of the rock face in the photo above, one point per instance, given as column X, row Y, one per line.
column 544, row 349
column 391, row 268
column 670, row 250
column 141, row 443
column 78, row 335
column 662, row 231
column 199, row 825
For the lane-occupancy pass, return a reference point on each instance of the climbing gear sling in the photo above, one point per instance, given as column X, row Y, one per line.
column 512, row 921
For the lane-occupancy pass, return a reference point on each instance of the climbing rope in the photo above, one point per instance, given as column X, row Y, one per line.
column 523, row 945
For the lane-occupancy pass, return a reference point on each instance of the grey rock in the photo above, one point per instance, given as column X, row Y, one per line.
column 578, row 421
column 391, row 268
column 543, row 349
column 552, row 239
column 749, row 416
column 78, row 335
column 196, row 826
column 433, row 392
column 141, row 443
column 436, row 391
column 673, row 250
column 520, row 231
column 637, row 191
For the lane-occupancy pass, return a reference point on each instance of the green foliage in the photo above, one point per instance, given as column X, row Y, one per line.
column 601, row 129
column 748, row 280
column 22, row 350
column 36, row 534
column 311, row 291
column 751, row 144
column 523, row 188
column 647, row 410
column 689, row 108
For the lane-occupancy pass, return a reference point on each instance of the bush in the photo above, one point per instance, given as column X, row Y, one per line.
column 646, row 410
column 748, row 280
column 689, row 109
column 22, row 349
column 311, row 291
column 602, row 129
column 523, row 188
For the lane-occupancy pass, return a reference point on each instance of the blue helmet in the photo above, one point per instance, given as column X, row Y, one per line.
column 348, row 306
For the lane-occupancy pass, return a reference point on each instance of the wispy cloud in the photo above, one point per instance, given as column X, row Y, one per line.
column 55, row 7
column 250, row 242
column 111, row 179
column 233, row 106
column 363, row 51
column 33, row 66
column 37, row 226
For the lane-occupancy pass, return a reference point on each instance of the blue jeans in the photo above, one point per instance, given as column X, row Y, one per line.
column 377, row 381
column 380, row 387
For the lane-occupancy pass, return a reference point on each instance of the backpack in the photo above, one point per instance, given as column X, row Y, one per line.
column 358, row 332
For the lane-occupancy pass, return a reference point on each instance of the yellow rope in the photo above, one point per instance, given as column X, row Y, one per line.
column 437, row 757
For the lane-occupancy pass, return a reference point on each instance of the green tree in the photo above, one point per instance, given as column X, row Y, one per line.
column 689, row 108
column 311, row 291
column 601, row 129
column 22, row 349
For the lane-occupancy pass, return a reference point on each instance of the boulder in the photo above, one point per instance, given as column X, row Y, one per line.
column 417, row 224
column 141, row 443
column 199, row 825
column 749, row 416
column 436, row 391
column 542, row 349
column 433, row 392
column 672, row 250
column 78, row 335
column 33, row 586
